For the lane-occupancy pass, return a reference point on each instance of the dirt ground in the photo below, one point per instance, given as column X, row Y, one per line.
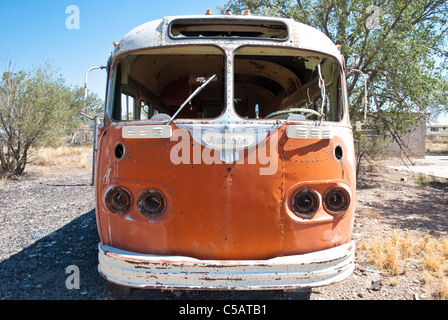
column 388, row 201
column 47, row 225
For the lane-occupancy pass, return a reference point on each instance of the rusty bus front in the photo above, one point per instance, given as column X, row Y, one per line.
column 225, row 159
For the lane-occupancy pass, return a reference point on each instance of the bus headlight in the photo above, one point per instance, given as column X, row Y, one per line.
column 305, row 202
column 336, row 201
column 118, row 200
column 152, row 203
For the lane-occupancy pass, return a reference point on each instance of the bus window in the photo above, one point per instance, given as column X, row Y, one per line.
column 284, row 84
column 159, row 83
column 128, row 105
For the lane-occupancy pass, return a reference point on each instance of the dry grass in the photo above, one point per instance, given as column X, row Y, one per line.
column 3, row 180
column 391, row 254
column 438, row 147
column 45, row 160
column 74, row 157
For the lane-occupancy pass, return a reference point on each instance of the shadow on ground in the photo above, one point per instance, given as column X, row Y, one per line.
column 38, row 272
column 425, row 212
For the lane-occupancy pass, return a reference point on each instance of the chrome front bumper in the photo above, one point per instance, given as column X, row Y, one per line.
column 177, row 272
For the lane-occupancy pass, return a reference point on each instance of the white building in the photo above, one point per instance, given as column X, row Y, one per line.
column 435, row 131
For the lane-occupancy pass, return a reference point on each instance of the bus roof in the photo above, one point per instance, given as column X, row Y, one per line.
column 159, row 33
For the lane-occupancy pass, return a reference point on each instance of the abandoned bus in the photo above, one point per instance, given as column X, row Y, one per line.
column 225, row 158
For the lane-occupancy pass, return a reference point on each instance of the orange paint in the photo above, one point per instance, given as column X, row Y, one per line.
column 222, row 211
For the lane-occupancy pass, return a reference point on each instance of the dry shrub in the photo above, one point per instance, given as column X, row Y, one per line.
column 75, row 157
column 3, row 180
column 385, row 254
column 442, row 290
column 439, row 147
column 392, row 253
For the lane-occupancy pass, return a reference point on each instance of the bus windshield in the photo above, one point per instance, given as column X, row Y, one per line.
column 154, row 84
column 273, row 83
column 268, row 83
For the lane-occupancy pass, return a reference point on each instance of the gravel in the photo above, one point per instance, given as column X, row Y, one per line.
column 48, row 229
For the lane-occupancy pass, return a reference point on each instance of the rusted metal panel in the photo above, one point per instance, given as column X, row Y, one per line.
column 178, row 272
column 221, row 210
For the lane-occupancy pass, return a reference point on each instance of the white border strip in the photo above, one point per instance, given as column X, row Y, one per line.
column 178, row 272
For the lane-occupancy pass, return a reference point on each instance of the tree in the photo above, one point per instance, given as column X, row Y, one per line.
column 401, row 45
column 35, row 107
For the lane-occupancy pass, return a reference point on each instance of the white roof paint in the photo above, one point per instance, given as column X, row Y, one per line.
column 155, row 34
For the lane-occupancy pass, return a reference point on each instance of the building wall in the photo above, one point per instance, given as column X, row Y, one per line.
column 437, row 131
column 414, row 143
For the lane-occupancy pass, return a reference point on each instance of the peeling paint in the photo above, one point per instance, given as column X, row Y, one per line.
column 163, row 272
column 106, row 178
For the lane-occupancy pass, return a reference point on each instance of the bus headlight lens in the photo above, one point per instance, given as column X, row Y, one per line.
column 305, row 203
column 336, row 200
column 118, row 200
column 152, row 203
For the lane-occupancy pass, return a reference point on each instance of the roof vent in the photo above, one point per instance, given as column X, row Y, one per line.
column 228, row 28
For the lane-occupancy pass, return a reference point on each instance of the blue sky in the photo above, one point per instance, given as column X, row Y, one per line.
column 32, row 32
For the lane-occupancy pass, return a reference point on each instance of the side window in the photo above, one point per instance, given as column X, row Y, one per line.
column 127, row 107
column 131, row 106
column 146, row 110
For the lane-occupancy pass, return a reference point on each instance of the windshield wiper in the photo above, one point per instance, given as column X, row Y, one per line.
column 322, row 94
column 192, row 96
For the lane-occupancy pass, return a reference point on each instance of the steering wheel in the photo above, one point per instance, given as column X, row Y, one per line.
column 293, row 110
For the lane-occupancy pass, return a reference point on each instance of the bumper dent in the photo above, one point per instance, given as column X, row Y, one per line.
column 178, row 272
